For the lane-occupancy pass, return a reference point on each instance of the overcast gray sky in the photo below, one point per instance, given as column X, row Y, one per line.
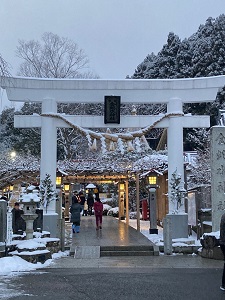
column 116, row 35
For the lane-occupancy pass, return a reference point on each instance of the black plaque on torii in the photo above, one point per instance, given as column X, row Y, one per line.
column 112, row 109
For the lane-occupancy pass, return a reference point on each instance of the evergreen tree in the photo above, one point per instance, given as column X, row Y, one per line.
column 184, row 60
column 200, row 55
column 177, row 191
column 22, row 140
column 47, row 192
column 166, row 58
column 145, row 67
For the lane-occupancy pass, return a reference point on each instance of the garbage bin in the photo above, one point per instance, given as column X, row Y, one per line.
column 144, row 204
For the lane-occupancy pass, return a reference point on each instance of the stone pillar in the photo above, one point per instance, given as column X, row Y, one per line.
column 167, row 235
column 9, row 227
column 138, row 202
column 121, row 201
column 217, row 175
column 179, row 225
column 61, row 221
column 127, row 203
column 153, row 212
column 3, row 224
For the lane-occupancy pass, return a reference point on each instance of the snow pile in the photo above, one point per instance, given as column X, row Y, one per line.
column 15, row 264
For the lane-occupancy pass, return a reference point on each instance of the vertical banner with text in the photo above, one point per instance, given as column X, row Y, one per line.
column 217, row 175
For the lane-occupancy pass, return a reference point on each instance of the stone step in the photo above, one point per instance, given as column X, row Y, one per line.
column 97, row 251
column 86, row 252
column 126, row 251
column 128, row 248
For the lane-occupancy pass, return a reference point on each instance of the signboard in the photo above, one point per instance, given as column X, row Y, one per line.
column 112, row 109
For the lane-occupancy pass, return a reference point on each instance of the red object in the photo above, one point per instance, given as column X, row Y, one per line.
column 98, row 208
column 144, row 209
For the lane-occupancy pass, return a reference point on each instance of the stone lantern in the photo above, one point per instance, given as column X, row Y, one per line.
column 29, row 202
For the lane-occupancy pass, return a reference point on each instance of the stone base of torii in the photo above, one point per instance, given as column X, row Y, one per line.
column 173, row 92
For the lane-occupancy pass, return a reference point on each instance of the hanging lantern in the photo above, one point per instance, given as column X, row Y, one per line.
column 66, row 187
column 152, row 179
column 58, row 180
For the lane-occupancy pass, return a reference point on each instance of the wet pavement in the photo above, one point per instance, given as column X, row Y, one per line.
column 127, row 278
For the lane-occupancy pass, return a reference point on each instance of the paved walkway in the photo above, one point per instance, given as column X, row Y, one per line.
column 114, row 233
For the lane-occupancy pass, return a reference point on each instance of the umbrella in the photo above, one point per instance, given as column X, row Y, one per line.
column 90, row 186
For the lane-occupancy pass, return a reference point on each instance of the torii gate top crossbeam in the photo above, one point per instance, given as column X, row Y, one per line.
column 190, row 90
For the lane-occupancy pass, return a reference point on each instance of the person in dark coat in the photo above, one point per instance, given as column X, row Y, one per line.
column 18, row 223
column 90, row 203
column 75, row 211
column 98, row 208
column 82, row 200
column 75, row 197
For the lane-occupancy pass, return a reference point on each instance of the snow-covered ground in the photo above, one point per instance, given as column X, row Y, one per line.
column 158, row 238
column 13, row 265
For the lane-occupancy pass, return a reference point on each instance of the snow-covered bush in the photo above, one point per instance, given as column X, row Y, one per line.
column 177, row 191
column 106, row 208
column 114, row 212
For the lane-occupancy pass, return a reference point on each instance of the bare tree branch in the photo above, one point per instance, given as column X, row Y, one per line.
column 53, row 56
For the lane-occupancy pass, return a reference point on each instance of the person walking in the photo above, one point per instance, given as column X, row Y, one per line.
column 222, row 247
column 75, row 211
column 82, row 201
column 98, row 208
column 90, row 203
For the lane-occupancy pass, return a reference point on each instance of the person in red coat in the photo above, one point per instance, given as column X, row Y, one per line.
column 98, row 208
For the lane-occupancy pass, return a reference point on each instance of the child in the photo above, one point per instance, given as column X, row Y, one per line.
column 85, row 211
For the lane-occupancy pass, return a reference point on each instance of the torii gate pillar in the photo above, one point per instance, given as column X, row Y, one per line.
column 48, row 161
column 49, row 145
column 175, row 144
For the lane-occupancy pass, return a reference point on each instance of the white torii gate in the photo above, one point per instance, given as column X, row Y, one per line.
column 173, row 92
